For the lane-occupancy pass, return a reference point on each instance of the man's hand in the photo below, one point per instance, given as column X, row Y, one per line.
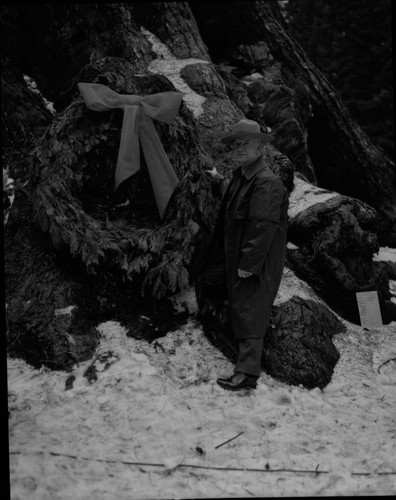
column 244, row 274
column 214, row 174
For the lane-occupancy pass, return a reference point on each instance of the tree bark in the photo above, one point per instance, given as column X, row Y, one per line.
column 174, row 25
column 55, row 41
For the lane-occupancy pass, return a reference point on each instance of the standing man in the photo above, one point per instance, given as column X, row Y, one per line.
column 247, row 248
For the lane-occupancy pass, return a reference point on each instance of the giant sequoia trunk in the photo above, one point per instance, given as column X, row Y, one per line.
column 344, row 159
column 102, row 247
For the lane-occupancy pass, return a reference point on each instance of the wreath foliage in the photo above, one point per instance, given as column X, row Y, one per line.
column 75, row 204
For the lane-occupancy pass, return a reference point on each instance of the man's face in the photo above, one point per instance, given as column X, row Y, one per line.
column 245, row 150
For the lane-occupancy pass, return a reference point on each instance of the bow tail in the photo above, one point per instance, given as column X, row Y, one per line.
column 162, row 176
column 128, row 162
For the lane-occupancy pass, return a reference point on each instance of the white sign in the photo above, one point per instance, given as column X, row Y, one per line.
column 369, row 309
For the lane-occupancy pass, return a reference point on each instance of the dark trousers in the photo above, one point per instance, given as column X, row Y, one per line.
column 213, row 288
column 249, row 356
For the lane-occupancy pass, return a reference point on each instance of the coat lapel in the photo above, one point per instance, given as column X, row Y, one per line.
column 249, row 174
column 254, row 169
column 230, row 196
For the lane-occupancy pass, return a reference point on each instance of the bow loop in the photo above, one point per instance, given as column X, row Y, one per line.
column 138, row 127
column 98, row 97
column 162, row 107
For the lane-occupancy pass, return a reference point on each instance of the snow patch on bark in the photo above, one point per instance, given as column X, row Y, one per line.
column 305, row 195
column 253, row 77
column 66, row 311
column 168, row 65
column 291, row 286
column 392, row 289
column 33, row 87
column 386, row 254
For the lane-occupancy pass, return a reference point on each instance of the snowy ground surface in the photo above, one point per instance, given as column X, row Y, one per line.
column 156, row 425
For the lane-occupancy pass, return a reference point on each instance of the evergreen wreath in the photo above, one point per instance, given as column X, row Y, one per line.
column 74, row 202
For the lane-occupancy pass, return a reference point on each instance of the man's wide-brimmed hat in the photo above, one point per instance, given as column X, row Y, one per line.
column 246, row 129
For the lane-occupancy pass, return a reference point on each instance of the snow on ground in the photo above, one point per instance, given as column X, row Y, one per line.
column 156, row 425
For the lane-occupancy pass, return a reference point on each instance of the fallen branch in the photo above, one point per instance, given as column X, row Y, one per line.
column 150, row 464
column 372, row 473
column 247, row 469
column 193, row 466
column 229, row 440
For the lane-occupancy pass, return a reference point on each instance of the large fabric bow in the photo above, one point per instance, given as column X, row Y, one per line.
column 138, row 126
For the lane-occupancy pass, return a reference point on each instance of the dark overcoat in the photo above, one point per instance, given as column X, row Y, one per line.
column 250, row 234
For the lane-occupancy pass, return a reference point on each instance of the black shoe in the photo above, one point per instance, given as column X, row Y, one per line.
column 238, row 381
